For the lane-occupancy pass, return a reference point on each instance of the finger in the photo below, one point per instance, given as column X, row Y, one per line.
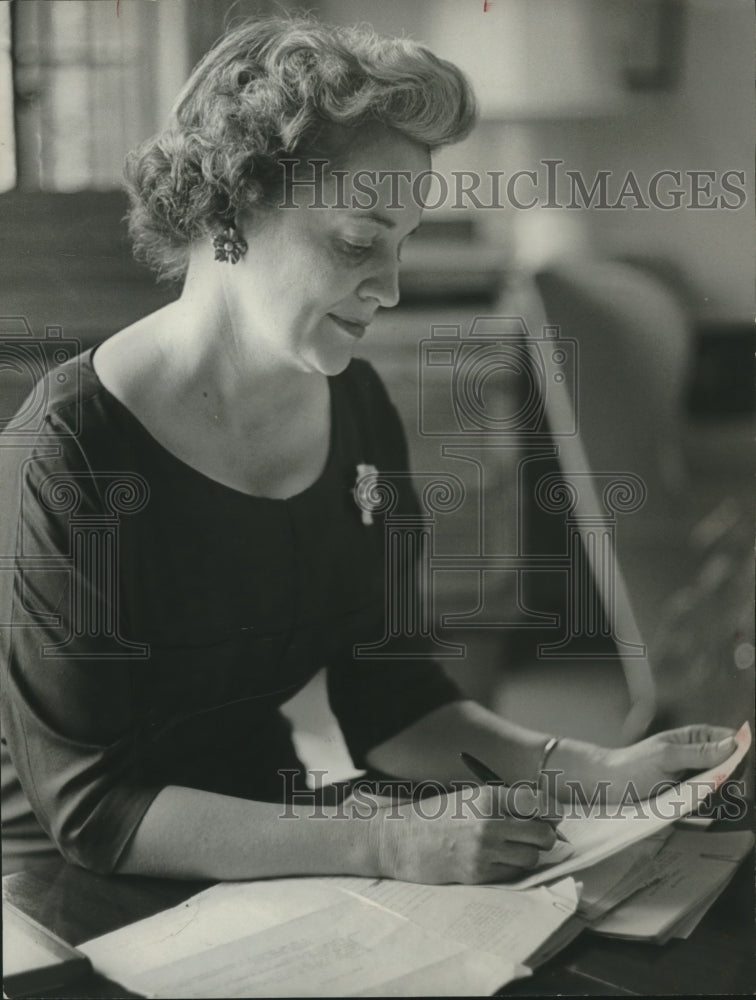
column 535, row 832
column 501, row 873
column 524, row 801
column 518, row 855
column 698, row 734
column 508, row 852
column 520, row 801
column 698, row 756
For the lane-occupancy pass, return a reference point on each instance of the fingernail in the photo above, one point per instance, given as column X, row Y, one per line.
column 728, row 741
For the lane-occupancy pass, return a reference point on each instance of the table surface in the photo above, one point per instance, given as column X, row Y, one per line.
column 718, row 958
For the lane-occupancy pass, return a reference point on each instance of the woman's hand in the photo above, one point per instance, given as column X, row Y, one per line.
column 638, row 770
column 667, row 756
column 470, row 836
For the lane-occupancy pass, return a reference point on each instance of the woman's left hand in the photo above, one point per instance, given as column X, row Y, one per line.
column 667, row 756
column 639, row 769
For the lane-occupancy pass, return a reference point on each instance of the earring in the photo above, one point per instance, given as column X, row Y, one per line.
column 229, row 245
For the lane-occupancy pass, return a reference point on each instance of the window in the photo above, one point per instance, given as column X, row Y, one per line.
column 92, row 80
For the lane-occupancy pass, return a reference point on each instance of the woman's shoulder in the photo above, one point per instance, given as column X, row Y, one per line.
column 69, row 423
column 56, row 402
column 66, row 397
column 129, row 365
column 51, row 451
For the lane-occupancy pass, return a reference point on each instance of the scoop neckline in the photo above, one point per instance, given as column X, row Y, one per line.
column 192, row 470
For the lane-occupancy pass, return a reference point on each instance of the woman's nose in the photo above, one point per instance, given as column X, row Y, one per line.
column 382, row 284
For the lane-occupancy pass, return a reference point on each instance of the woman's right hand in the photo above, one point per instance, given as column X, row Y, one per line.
column 468, row 836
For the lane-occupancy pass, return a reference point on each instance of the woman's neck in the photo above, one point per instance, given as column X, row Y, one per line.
column 213, row 362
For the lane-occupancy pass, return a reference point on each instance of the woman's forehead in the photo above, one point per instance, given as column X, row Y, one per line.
column 383, row 176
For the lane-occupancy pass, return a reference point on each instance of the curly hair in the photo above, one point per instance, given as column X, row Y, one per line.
column 273, row 88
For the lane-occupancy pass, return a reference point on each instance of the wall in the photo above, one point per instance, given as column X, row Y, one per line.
column 705, row 123
column 552, row 79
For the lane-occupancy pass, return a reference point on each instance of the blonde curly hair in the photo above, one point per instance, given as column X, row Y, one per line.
column 270, row 89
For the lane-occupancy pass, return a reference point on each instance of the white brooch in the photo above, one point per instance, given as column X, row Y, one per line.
column 363, row 491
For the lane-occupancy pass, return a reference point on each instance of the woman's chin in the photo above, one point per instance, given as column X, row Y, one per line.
column 331, row 360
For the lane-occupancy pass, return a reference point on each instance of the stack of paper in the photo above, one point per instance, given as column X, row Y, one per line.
column 499, row 921
column 335, row 937
column 610, row 882
column 34, row 959
column 368, row 937
column 679, row 886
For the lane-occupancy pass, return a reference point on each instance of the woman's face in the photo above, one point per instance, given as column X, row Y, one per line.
column 313, row 278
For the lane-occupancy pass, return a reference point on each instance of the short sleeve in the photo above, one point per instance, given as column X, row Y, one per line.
column 374, row 699
column 67, row 706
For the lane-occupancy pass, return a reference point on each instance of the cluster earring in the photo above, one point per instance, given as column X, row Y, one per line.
column 229, row 244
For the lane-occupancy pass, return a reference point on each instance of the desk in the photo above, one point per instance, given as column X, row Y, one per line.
column 718, row 958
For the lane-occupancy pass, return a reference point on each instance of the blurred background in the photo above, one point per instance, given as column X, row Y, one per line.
column 658, row 300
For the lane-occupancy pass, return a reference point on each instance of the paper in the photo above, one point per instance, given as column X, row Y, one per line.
column 335, row 937
column 684, row 879
column 458, row 975
column 352, row 936
column 502, row 922
column 348, row 948
column 597, row 836
column 34, row 959
column 227, row 912
column 609, row 882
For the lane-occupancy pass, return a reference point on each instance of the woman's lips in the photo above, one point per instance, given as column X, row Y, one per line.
column 352, row 327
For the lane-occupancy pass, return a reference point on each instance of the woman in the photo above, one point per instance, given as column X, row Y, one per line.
column 238, row 419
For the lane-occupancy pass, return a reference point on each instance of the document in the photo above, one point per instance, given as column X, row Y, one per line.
column 682, row 881
column 227, row 912
column 335, row 937
column 34, row 959
column 609, row 882
column 349, row 936
column 502, row 922
column 601, row 833
column 344, row 950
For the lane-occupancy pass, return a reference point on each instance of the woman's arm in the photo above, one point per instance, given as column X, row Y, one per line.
column 187, row 833
column 430, row 748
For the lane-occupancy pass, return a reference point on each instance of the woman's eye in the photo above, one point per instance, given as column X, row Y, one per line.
column 360, row 251
column 356, row 250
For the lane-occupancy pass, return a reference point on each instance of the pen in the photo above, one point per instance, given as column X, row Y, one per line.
column 484, row 773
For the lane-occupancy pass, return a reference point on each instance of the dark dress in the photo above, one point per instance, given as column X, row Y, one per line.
column 158, row 625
